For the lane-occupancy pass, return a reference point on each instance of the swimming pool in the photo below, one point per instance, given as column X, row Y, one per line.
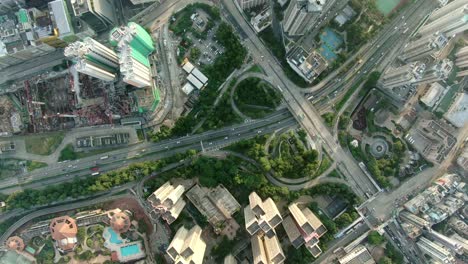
column 129, row 250
column 114, row 238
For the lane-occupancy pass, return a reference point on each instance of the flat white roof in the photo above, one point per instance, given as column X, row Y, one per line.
column 61, row 16
column 187, row 88
column 188, row 67
column 200, row 76
column 194, row 81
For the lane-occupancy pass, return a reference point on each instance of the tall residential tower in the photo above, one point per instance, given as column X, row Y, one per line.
column 94, row 59
column 302, row 15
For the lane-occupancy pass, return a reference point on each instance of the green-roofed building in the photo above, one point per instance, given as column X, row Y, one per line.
column 23, row 16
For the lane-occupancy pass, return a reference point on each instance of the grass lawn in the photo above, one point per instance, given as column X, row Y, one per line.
column 44, row 144
column 32, row 165
column 256, row 69
column 69, row 153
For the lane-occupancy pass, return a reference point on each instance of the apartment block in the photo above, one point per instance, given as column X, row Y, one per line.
column 435, row 251
column 302, row 15
column 449, row 20
column 167, row 202
column 261, row 216
column 267, row 250
column 187, row 246
column 404, row 75
column 424, row 47
column 303, row 227
column 295, row 237
column 93, row 59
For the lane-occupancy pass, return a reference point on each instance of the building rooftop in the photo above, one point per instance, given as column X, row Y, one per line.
column 63, row 230
column 120, row 222
column 61, row 17
column 360, row 255
column 15, row 243
column 433, row 94
column 291, row 229
column 457, row 114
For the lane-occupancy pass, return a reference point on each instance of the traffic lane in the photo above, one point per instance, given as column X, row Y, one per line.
column 134, row 150
column 113, row 164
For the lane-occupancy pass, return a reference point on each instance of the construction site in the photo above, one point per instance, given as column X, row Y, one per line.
column 55, row 101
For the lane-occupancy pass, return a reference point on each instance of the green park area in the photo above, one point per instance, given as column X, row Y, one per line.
column 391, row 254
column 287, row 155
column 256, row 98
column 69, row 153
column 33, row 165
column 43, row 144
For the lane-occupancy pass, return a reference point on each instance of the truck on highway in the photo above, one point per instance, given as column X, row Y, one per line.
column 95, row 169
column 95, row 173
column 104, row 157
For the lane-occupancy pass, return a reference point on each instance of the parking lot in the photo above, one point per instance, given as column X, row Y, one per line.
column 202, row 40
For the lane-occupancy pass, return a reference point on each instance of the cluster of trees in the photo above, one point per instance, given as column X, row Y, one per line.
column 240, row 177
column 183, row 23
column 298, row 256
column 255, row 92
column 88, row 186
column 47, row 253
column 223, row 248
column 290, row 165
column 387, row 166
column 195, row 53
column 329, row 117
column 68, row 153
column 374, row 238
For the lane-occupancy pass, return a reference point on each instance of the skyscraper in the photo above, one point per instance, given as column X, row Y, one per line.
column 135, row 45
column 98, row 14
column 423, row 47
column 406, row 74
column 93, row 59
column 302, row 15
column 187, row 246
column 450, row 20
column 434, row 250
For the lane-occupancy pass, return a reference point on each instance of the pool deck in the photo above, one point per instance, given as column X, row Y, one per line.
column 117, row 247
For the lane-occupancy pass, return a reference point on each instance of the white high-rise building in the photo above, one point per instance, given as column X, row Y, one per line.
column 406, row 74
column 187, row 246
column 436, row 251
column 246, row 4
column 302, row 15
column 450, row 20
column 424, row 47
column 90, row 69
column 93, row 58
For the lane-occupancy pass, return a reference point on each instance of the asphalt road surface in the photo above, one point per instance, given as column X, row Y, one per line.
column 66, row 171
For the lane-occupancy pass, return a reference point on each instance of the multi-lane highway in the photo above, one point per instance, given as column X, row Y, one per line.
column 66, row 171
column 309, row 118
